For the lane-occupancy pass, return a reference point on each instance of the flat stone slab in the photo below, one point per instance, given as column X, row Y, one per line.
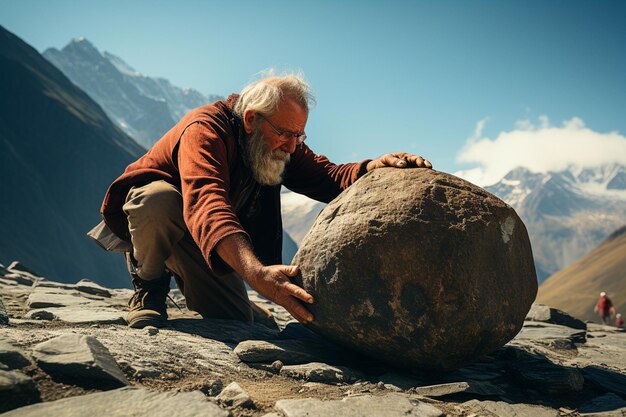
column 91, row 287
column 610, row 380
column 76, row 315
column 401, row 381
column 548, row 332
column 320, row 372
column 543, row 313
column 82, row 359
column 51, row 285
column 501, row 408
column 12, row 356
column 126, row 402
column 390, row 405
column 20, row 279
column 541, row 374
column 441, row 390
column 289, row 352
column 43, row 298
column 11, row 379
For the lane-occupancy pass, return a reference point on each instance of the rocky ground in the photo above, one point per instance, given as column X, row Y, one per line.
column 65, row 350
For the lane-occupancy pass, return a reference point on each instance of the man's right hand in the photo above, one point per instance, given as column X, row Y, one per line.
column 274, row 283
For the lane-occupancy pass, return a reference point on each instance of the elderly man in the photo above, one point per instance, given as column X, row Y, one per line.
column 204, row 204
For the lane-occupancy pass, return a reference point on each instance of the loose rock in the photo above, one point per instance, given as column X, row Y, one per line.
column 540, row 312
column 365, row 259
column 500, row 408
column 82, row 359
column 151, row 330
column 399, row 380
column 234, row 396
column 19, row 279
column 547, row 332
column 320, row 372
column 440, row 390
column 289, row 352
column 12, row 356
column 16, row 390
column 91, row 287
column 45, row 297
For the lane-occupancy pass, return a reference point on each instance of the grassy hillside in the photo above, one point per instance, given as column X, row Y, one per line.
column 576, row 288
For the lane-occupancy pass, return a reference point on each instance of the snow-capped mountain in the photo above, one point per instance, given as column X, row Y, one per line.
column 144, row 107
column 567, row 213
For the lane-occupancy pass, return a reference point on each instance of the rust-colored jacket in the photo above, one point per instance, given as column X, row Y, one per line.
column 202, row 156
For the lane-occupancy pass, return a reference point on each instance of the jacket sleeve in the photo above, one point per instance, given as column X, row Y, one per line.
column 316, row 177
column 205, row 182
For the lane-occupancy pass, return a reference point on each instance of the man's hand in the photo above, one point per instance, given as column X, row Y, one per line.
column 399, row 160
column 273, row 282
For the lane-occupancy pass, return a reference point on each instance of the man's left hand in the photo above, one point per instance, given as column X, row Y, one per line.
column 399, row 160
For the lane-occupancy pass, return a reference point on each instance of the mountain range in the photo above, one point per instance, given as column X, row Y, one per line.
column 58, row 154
column 144, row 107
column 567, row 213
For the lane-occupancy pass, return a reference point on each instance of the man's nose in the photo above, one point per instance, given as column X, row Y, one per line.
column 290, row 145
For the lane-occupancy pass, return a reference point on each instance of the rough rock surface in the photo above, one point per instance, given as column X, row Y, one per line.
column 392, row 405
column 181, row 369
column 418, row 268
column 117, row 402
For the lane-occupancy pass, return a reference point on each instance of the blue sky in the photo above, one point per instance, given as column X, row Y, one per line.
column 388, row 75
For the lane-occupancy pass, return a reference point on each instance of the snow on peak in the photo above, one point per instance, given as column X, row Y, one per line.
column 121, row 65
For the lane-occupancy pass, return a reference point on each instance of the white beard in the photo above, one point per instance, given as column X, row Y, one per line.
column 267, row 166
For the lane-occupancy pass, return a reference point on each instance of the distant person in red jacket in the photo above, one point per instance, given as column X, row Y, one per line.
column 619, row 321
column 203, row 204
column 605, row 308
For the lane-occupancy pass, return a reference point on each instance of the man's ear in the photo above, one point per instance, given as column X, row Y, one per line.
column 248, row 120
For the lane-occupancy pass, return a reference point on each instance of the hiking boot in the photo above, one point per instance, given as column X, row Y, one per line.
column 147, row 307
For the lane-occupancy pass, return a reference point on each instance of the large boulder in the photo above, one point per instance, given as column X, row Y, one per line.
column 418, row 268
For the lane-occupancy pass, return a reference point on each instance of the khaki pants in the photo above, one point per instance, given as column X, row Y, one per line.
column 160, row 239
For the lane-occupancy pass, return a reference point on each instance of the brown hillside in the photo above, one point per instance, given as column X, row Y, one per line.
column 575, row 289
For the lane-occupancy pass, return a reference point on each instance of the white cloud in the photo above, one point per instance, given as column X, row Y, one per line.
column 539, row 147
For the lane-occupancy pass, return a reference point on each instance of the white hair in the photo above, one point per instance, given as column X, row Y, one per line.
column 265, row 95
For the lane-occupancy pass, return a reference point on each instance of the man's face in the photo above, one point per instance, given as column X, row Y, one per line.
column 267, row 151
column 290, row 117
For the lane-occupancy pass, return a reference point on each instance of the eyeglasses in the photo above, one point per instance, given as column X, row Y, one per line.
column 299, row 137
